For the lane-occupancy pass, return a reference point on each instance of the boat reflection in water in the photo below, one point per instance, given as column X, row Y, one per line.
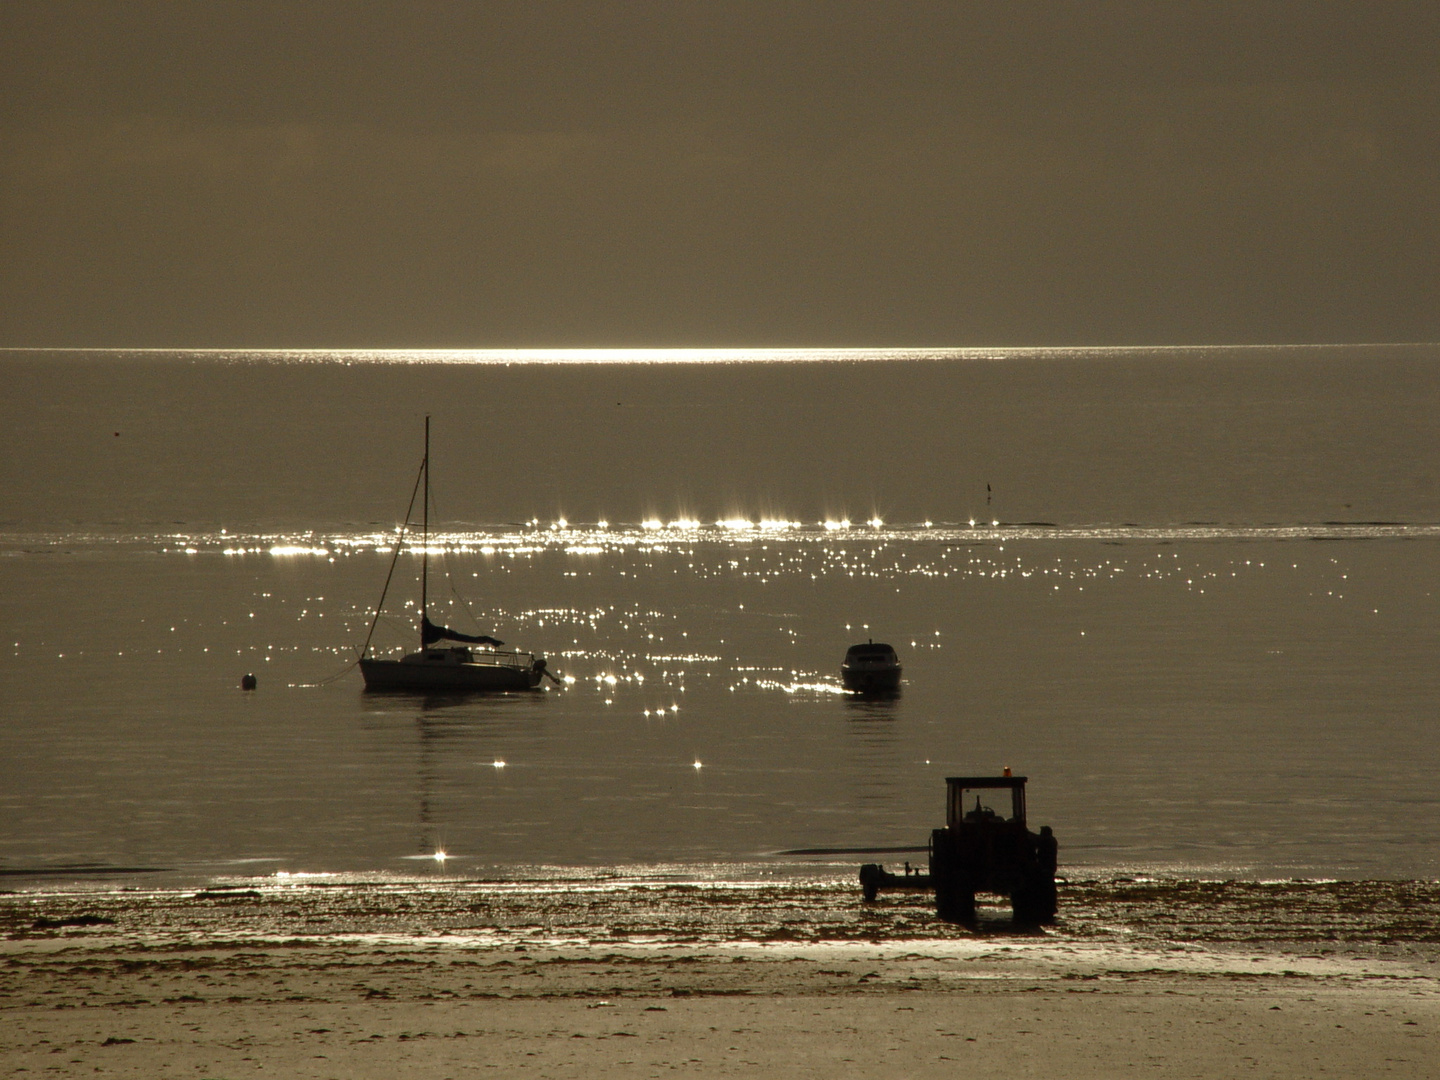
column 448, row 668
column 871, row 669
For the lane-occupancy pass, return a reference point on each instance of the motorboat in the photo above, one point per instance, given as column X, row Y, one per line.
column 474, row 664
column 871, row 668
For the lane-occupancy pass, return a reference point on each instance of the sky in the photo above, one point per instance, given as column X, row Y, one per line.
column 663, row 173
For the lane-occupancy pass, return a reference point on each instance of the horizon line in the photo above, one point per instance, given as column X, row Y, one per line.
column 687, row 354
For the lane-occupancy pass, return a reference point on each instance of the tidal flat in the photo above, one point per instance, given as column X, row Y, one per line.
column 646, row 973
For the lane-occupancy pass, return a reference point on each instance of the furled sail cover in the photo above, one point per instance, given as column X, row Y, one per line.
column 429, row 633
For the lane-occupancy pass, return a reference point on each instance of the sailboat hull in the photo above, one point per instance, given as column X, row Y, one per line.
column 449, row 676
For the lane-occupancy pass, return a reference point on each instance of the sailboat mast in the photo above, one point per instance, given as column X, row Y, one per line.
column 425, row 540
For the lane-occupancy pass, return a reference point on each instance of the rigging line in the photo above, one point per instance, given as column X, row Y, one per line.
column 454, row 592
column 450, row 578
column 400, row 625
column 399, row 546
column 330, row 679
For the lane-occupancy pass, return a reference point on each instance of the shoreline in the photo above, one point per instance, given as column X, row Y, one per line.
column 645, row 979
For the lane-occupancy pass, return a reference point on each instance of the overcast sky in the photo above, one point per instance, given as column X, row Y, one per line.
column 666, row 173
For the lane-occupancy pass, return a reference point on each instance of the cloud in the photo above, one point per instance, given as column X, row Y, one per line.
column 718, row 174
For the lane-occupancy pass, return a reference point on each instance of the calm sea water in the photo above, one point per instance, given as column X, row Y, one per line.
column 1190, row 593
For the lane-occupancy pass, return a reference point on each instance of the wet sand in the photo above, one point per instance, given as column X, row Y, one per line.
column 82, row 1002
column 646, row 973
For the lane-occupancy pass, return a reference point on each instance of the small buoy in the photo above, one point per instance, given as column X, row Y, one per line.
column 248, row 682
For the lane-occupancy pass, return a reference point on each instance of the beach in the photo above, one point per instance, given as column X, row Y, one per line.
column 438, row 1010
column 1212, row 658
column 281, row 982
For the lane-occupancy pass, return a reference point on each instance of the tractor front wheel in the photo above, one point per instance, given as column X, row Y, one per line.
column 955, row 904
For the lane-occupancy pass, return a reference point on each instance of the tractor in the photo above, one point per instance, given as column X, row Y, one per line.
column 985, row 847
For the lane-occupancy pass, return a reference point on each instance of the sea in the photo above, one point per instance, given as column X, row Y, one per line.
column 1190, row 593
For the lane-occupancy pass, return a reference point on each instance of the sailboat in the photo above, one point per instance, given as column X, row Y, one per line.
column 474, row 664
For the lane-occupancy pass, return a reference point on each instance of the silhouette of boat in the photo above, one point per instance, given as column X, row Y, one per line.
column 871, row 668
column 474, row 665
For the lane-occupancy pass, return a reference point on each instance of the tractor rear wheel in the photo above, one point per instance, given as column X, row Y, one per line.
column 1034, row 900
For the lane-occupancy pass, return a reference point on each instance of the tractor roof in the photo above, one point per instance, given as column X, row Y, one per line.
column 986, row 781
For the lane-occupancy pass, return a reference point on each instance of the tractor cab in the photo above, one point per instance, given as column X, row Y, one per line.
column 984, row 800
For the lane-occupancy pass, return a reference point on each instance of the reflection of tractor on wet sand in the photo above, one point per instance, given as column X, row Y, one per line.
column 985, row 847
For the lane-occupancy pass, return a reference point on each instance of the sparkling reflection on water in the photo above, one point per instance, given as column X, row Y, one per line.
column 1197, row 699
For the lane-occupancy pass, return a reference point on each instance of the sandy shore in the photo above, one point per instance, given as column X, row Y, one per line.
column 88, row 1001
